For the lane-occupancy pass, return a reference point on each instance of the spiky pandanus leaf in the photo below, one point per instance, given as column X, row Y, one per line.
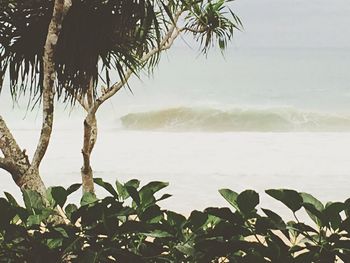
column 99, row 37
column 211, row 22
column 113, row 33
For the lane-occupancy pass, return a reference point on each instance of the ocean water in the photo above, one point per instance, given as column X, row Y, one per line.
column 256, row 118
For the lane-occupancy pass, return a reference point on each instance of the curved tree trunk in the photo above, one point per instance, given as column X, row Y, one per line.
column 90, row 137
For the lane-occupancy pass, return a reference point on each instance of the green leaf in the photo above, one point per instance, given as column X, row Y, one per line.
column 122, row 189
column 147, row 193
column 57, row 196
column 307, row 198
column 34, row 220
column 247, row 201
column 347, row 207
column 134, row 194
column 274, row 217
column 332, row 213
column 11, row 199
column 88, row 198
column 133, row 182
column 71, row 189
column 7, row 213
column 163, row 197
column 123, row 193
column 312, row 201
column 196, row 220
column 33, row 201
column 186, row 249
column 175, row 219
column 70, row 209
column 300, row 227
column 158, row 234
column 230, row 197
column 62, row 231
column 153, row 187
column 316, row 215
column 152, row 213
column 107, row 186
column 54, row 243
column 289, row 198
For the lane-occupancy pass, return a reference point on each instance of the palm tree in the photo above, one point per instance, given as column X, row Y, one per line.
column 98, row 38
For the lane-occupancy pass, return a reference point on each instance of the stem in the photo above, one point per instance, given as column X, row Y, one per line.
column 90, row 137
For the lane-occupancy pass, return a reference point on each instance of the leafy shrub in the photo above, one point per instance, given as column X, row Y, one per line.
column 129, row 226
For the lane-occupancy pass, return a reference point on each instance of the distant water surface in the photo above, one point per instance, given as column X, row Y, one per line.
column 258, row 118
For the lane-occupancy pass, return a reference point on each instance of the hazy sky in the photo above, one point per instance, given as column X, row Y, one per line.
column 293, row 23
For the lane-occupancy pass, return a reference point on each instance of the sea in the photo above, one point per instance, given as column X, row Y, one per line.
column 251, row 118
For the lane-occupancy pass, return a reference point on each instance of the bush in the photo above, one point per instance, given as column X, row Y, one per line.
column 129, row 226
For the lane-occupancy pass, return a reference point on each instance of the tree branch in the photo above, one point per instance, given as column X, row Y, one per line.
column 9, row 165
column 165, row 44
column 60, row 9
column 8, row 144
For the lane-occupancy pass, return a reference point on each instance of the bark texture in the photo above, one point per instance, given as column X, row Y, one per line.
column 49, row 79
column 90, row 137
column 15, row 160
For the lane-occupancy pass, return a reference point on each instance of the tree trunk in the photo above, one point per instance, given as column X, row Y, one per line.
column 31, row 180
column 90, row 136
column 16, row 162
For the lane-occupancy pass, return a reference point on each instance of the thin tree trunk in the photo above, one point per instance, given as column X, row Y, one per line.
column 49, row 79
column 31, row 179
column 90, row 136
column 91, row 105
column 15, row 161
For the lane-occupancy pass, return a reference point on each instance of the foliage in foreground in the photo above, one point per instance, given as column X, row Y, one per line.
column 129, row 226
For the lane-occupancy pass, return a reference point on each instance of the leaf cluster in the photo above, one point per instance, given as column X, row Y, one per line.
column 128, row 225
column 113, row 33
column 98, row 39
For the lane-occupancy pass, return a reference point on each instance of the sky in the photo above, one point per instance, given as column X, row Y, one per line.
column 293, row 23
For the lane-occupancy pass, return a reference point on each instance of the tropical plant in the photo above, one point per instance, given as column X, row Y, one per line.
column 128, row 225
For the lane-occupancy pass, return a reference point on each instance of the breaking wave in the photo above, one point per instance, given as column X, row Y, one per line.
column 238, row 119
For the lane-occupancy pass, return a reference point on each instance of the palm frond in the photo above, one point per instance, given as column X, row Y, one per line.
column 211, row 22
column 98, row 38
column 111, row 33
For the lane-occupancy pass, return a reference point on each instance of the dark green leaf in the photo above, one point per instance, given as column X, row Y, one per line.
column 57, row 196
column 71, row 189
column 70, row 209
column 230, row 197
column 107, row 186
column 88, row 198
column 290, row 198
column 247, row 201
column 11, row 199
column 134, row 194
column 332, row 213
